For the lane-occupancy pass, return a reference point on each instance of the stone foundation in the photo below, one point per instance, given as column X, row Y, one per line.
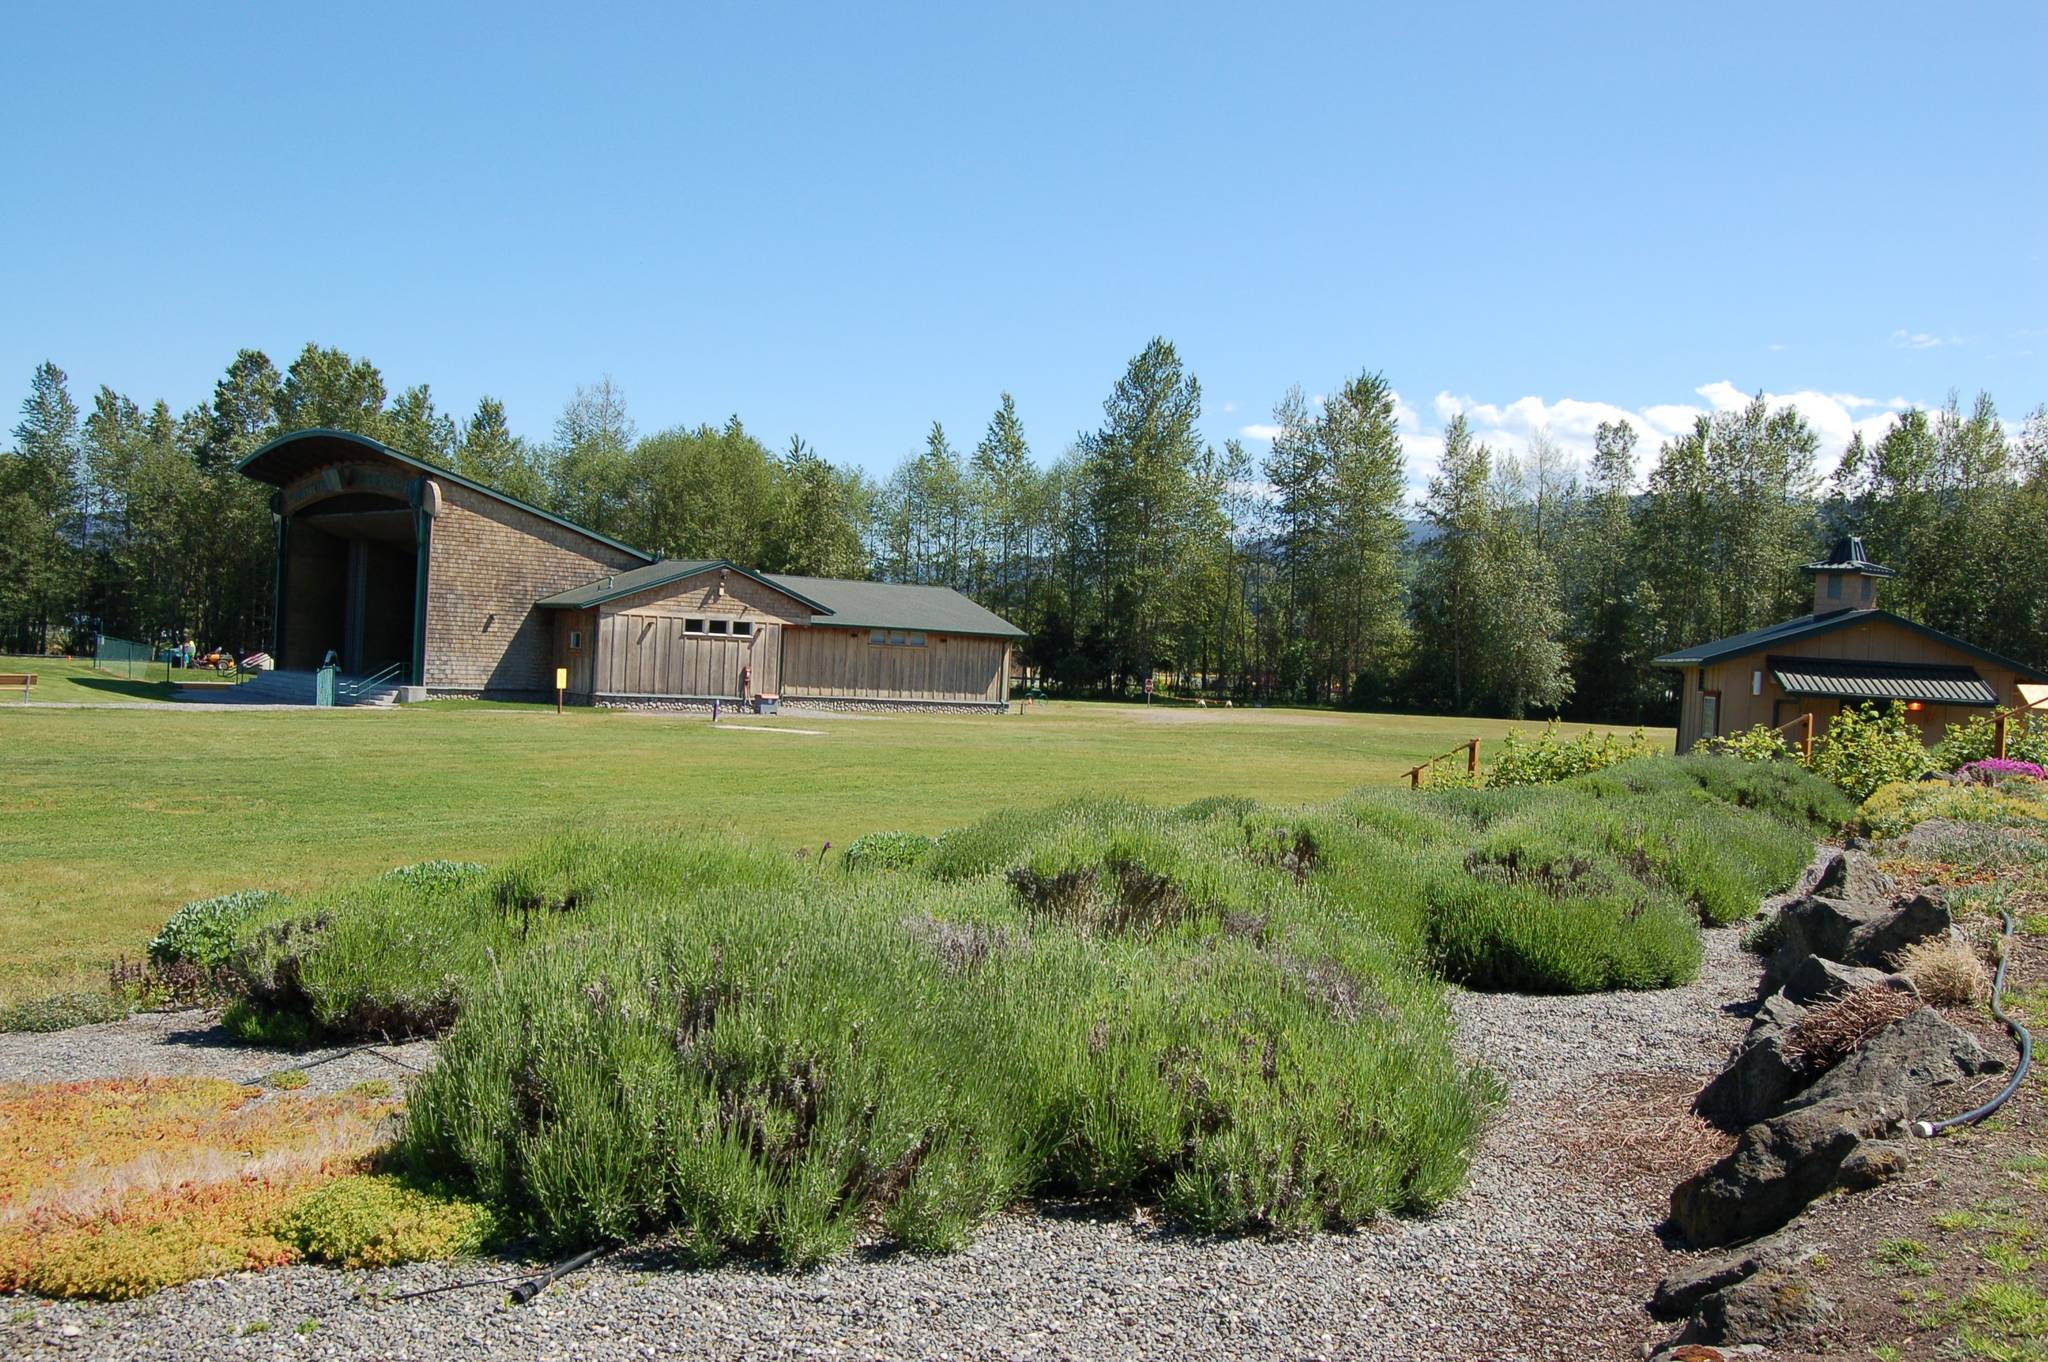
column 658, row 705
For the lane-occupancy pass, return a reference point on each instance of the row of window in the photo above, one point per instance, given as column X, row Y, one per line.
column 717, row 625
column 896, row 638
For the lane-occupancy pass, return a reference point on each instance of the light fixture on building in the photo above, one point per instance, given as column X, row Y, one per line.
column 1914, row 706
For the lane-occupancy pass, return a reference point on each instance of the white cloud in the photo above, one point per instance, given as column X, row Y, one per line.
column 1229, row 407
column 1903, row 339
column 1570, row 422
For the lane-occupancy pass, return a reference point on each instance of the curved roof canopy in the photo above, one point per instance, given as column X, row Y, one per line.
column 291, row 457
column 1847, row 556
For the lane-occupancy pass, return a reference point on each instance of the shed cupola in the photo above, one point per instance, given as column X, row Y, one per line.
column 1846, row 579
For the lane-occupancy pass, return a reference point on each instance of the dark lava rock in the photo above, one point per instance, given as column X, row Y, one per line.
column 1679, row 1294
column 1763, row 1308
column 1760, row 1079
column 1911, row 1063
column 1777, row 1167
column 1873, row 1163
column 1853, row 876
column 1816, row 979
column 1851, row 932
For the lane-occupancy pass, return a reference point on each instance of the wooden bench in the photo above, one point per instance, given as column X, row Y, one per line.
column 23, row 679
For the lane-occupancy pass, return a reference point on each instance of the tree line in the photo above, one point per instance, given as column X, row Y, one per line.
column 1518, row 583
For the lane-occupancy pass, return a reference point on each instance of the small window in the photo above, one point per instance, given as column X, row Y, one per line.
column 1869, row 590
column 575, row 640
column 1756, row 683
column 693, row 626
column 718, row 626
column 743, row 627
column 1834, row 586
column 914, row 640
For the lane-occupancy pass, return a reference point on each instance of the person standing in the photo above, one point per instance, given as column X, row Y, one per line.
column 746, row 682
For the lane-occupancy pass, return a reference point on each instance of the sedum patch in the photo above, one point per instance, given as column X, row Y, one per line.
column 118, row 1188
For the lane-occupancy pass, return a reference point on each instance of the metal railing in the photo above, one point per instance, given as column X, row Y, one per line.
column 349, row 690
column 1470, row 748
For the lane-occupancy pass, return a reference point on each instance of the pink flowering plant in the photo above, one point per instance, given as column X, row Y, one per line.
column 1994, row 769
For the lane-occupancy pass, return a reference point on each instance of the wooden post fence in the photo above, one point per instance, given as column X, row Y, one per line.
column 1998, row 726
column 1471, row 750
column 1805, row 722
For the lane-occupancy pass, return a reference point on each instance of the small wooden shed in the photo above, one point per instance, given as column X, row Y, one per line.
column 1846, row 652
column 679, row 634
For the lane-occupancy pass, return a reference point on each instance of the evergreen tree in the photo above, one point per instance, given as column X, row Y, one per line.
column 243, row 413
column 326, row 389
column 816, row 533
column 42, row 522
column 1141, row 496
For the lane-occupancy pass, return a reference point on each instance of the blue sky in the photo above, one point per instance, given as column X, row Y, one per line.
column 847, row 221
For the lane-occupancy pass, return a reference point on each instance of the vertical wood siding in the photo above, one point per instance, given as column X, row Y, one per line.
column 842, row 664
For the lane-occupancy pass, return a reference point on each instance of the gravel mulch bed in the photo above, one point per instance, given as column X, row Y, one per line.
column 191, row 1044
column 1548, row 1253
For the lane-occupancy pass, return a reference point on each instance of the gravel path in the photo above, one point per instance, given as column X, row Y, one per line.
column 1547, row 1254
column 190, row 1044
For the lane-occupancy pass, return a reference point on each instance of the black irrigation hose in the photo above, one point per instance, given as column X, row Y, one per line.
column 370, row 1049
column 2020, row 1035
column 532, row 1287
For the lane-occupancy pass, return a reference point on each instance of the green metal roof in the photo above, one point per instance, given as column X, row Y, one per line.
column 258, row 466
column 1811, row 626
column 616, row 585
column 1843, row 679
column 885, row 605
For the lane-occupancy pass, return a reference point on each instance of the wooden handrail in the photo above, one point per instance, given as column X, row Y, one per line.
column 1471, row 749
column 1806, row 742
column 1998, row 723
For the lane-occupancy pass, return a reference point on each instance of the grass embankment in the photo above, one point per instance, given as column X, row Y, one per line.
column 75, row 681
column 1232, row 1010
column 111, row 818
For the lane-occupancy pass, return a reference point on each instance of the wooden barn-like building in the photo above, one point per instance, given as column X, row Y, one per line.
column 1846, row 652
column 411, row 573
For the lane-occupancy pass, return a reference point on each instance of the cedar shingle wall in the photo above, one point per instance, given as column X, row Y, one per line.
column 491, row 562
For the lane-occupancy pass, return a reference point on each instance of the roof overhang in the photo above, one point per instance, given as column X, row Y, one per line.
column 1912, row 682
column 619, row 585
column 1763, row 640
column 290, row 458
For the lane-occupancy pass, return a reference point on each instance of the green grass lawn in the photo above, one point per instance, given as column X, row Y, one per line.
column 111, row 818
column 78, row 683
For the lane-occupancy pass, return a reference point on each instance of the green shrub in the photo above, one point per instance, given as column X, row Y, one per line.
column 1864, row 748
column 888, row 851
column 2026, row 739
column 1758, row 743
column 376, row 1220
column 774, row 1071
column 437, row 874
column 1894, row 809
column 1233, row 1011
column 393, row 957
column 61, row 1012
column 1547, row 759
column 202, row 933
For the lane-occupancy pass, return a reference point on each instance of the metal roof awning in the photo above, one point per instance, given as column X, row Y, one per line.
column 1843, row 679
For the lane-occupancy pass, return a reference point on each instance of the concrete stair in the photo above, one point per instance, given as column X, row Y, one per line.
column 287, row 688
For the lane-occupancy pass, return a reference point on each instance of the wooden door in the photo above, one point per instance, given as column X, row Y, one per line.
column 765, row 656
